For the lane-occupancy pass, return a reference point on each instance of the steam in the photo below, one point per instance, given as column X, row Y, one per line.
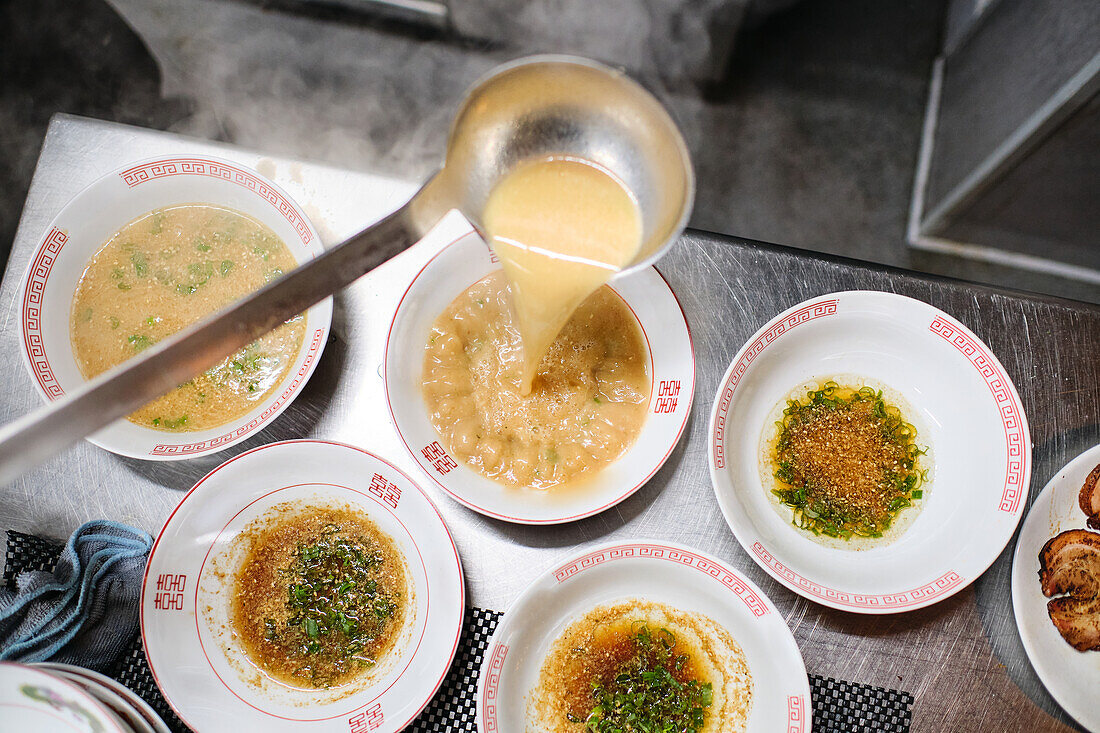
column 799, row 154
column 348, row 96
column 361, row 98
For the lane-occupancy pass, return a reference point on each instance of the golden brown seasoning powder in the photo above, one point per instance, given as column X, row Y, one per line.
column 262, row 609
column 846, row 456
column 846, row 461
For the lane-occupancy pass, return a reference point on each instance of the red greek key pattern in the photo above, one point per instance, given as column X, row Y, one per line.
column 169, row 596
column 221, row 440
column 1016, row 461
column 32, row 312
column 492, row 683
column 802, row 315
column 368, row 720
column 796, row 714
column 244, row 178
column 434, row 454
column 385, row 490
column 941, row 586
column 672, row 554
column 667, row 394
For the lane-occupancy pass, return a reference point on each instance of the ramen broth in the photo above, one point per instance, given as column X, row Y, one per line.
column 163, row 272
column 589, row 396
column 639, row 665
column 321, row 596
column 561, row 228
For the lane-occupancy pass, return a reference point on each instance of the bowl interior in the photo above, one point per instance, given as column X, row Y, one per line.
column 84, row 226
column 668, row 574
column 216, row 588
column 672, row 373
column 972, row 501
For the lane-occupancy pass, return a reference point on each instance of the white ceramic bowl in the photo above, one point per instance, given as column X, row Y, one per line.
column 93, row 681
column 1072, row 677
column 672, row 371
column 203, row 672
column 114, row 702
column 85, row 225
column 663, row 572
column 32, row 699
column 966, row 408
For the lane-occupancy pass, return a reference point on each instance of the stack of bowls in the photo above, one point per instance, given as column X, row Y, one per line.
column 49, row 697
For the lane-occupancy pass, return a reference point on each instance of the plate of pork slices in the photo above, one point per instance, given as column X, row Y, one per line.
column 1056, row 587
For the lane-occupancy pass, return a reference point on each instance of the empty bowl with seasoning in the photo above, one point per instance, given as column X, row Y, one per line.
column 302, row 585
column 810, row 440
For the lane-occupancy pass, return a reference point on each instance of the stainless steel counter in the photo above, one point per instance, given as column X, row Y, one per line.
column 962, row 658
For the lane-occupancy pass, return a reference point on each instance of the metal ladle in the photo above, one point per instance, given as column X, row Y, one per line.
column 539, row 107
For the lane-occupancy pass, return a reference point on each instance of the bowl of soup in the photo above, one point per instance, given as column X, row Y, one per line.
column 153, row 248
column 607, row 404
column 302, row 585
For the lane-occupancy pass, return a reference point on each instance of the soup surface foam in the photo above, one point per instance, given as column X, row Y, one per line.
column 163, row 272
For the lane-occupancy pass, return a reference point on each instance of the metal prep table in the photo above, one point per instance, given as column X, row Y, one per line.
column 961, row 659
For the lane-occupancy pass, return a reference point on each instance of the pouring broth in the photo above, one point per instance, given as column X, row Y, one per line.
column 590, row 394
column 562, row 227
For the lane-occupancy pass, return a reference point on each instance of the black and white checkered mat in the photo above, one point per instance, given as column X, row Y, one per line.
column 840, row 707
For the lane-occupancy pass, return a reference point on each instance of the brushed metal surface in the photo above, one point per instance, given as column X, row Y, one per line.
column 962, row 659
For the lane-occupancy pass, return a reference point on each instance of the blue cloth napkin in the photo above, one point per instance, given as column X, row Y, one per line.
column 86, row 611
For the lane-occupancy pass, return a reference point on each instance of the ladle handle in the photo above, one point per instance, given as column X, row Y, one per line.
column 33, row 438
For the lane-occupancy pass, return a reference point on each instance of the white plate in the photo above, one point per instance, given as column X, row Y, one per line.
column 658, row 571
column 36, row 700
column 85, row 225
column 192, row 653
column 966, row 409
column 671, row 368
column 146, row 712
column 1072, row 677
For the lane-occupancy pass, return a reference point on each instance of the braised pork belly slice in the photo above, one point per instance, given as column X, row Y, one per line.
column 1070, row 563
column 1090, row 498
column 1077, row 621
